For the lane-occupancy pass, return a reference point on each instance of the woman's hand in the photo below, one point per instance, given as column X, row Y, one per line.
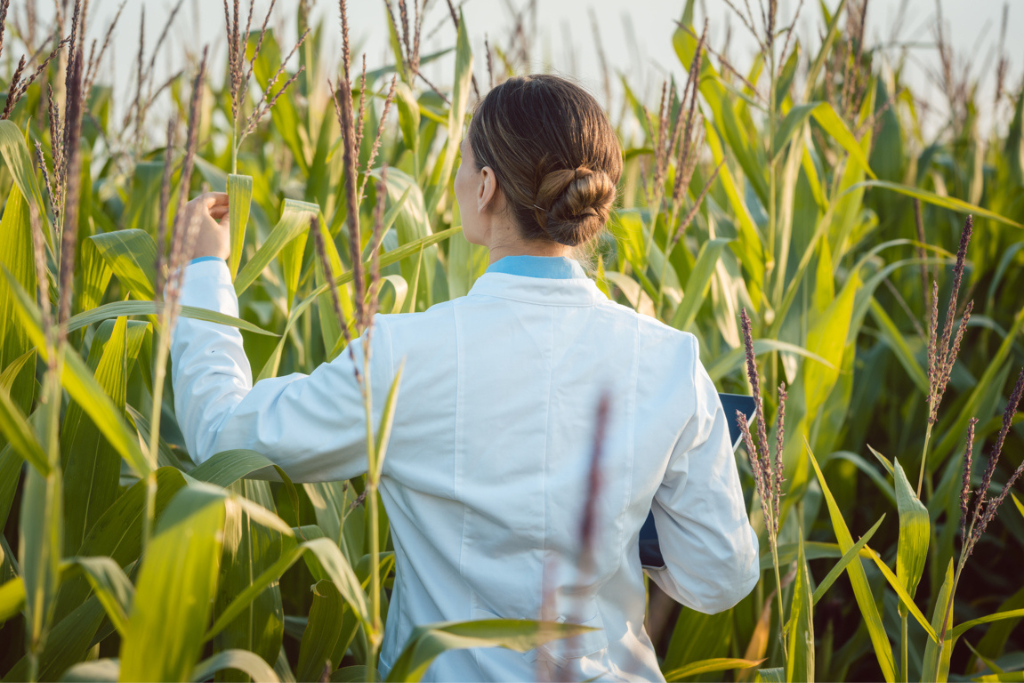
column 213, row 236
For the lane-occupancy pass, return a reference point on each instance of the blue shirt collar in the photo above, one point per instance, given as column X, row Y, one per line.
column 561, row 267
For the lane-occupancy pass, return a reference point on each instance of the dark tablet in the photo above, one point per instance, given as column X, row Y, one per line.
column 650, row 550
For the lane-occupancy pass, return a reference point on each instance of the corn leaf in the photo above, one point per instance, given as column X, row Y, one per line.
column 898, row 344
column 731, row 361
column 456, row 115
column 20, row 435
column 96, row 670
column 698, row 283
column 936, row 659
column 295, row 217
column 116, row 534
column 322, row 631
column 40, row 542
column 800, row 639
column 113, row 589
column 709, row 666
column 915, row 534
column 859, row 580
column 427, row 642
column 92, row 467
column 844, row 562
column 175, row 588
column 19, row 162
column 247, row 662
column 83, row 388
column 828, row 119
column 239, row 203
column 952, row 203
column 119, row 308
column 131, row 254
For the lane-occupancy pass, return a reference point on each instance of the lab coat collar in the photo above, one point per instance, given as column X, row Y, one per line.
column 571, row 291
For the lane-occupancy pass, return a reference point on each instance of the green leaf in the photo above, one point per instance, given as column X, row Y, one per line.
column 998, row 616
column 408, row 116
column 92, row 468
column 334, row 566
column 90, row 672
column 12, row 598
column 844, row 562
column 796, row 118
column 387, row 419
column 456, row 115
column 708, row 666
column 330, row 326
column 931, row 198
column 20, row 435
column 859, row 580
column 119, row 308
column 905, row 598
column 800, row 639
column 915, row 534
column 19, row 162
column 828, row 119
column 40, row 542
column 322, row 631
column 289, row 555
column 936, row 659
column 247, row 662
column 117, row 535
column 131, row 254
column 239, row 203
column 253, row 541
column 83, row 388
column 295, row 218
column 827, row 338
column 227, row 467
column 175, row 589
column 96, row 274
column 142, row 209
column 898, row 344
column 698, row 283
column 427, row 642
column 113, row 589
column 734, row 359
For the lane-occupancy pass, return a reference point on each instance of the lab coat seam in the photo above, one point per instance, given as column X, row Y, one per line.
column 457, row 442
column 631, row 412
column 547, row 450
column 526, row 300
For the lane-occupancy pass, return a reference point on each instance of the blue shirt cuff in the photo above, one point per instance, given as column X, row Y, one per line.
column 200, row 259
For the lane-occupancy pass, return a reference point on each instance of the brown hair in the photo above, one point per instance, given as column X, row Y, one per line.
column 555, row 155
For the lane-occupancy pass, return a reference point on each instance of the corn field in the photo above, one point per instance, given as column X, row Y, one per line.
column 832, row 257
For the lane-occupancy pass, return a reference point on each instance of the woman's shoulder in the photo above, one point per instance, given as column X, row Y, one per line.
column 649, row 329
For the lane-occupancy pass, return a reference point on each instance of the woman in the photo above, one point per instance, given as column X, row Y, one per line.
column 487, row 472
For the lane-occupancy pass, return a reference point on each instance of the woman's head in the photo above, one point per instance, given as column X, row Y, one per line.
column 540, row 154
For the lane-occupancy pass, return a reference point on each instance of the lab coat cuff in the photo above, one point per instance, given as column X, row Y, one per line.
column 207, row 284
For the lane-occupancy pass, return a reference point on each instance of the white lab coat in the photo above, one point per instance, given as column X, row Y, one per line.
column 486, row 474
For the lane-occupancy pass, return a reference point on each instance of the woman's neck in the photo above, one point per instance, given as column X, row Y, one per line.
column 506, row 241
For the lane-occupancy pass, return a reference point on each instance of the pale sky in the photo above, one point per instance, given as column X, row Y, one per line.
column 637, row 35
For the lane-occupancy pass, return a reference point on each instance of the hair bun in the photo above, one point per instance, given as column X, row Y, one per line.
column 572, row 204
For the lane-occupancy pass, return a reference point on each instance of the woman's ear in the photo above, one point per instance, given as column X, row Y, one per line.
column 487, row 192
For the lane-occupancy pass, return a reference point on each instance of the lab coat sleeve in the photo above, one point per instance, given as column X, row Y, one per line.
column 709, row 547
column 312, row 426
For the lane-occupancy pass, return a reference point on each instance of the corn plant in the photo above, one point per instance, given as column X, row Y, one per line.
column 792, row 212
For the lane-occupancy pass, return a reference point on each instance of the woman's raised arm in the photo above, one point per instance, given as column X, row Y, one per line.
column 312, row 426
